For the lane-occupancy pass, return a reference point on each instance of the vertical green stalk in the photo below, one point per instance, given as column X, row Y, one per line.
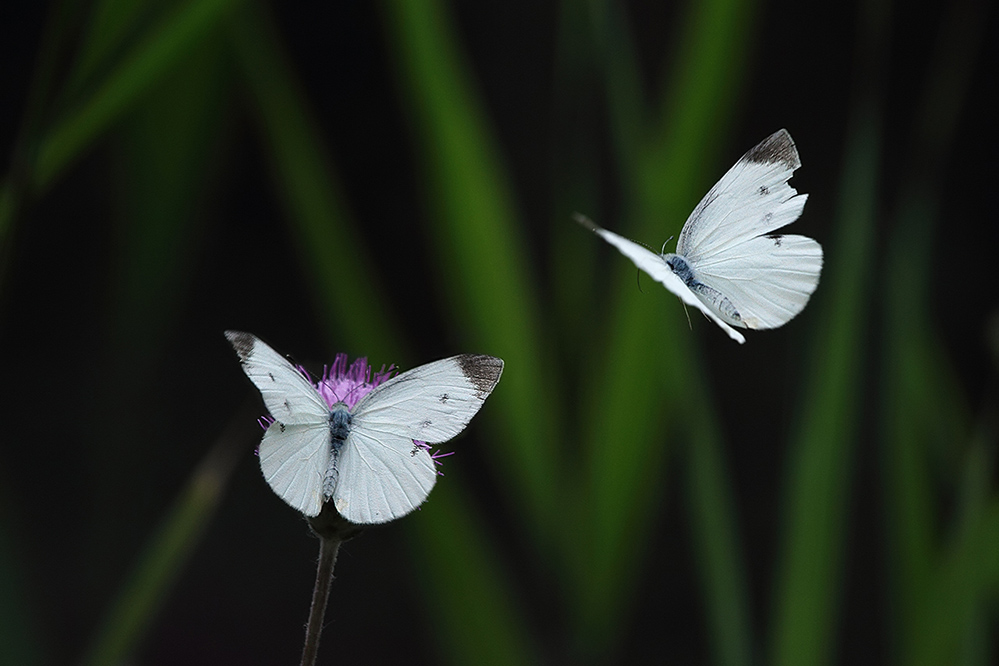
column 644, row 380
column 481, row 255
column 818, row 494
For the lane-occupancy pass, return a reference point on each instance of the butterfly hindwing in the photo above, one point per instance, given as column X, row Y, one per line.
column 768, row 279
column 294, row 459
column 382, row 475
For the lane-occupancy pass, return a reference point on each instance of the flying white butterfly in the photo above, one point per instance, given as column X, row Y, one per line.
column 363, row 458
column 728, row 264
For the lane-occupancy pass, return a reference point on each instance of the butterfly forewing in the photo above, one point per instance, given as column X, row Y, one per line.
column 383, row 474
column 431, row 403
column 751, row 199
column 289, row 396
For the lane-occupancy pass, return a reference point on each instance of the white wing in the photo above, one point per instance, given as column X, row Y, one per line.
column 382, row 474
column 656, row 267
column 767, row 279
column 751, row 199
column 289, row 396
column 294, row 459
column 295, row 450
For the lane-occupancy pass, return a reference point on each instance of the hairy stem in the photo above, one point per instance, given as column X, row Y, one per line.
column 328, row 548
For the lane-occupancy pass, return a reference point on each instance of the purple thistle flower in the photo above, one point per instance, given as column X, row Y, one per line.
column 348, row 385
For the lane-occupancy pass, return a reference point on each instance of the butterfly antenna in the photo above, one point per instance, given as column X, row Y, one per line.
column 638, row 279
column 663, row 251
column 689, row 325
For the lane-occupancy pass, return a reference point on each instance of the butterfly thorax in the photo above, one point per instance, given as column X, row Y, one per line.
column 339, row 423
column 680, row 267
column 721, row 304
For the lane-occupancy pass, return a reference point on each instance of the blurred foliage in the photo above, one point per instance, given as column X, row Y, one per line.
column 604, row 394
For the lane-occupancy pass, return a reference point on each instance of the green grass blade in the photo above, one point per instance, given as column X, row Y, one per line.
column 481, row 256
column 347, row 287
column 822, row 449
column 471, row 597
column 139, row 70
column 109, row 24
column 724, row 588
column 957, row 593
column 650, row 354
column 167, row 553
column 164, row 150
column 19, row 636
column 924, row 413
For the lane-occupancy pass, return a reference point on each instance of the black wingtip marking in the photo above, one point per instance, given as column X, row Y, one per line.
column 241, row 342
column 482, row 370
column 776, row 148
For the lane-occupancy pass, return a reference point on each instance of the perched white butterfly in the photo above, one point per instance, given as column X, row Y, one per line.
column 364, row 458
column 728, row 264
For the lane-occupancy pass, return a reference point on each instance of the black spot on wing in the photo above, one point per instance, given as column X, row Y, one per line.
column 778, row 240
column 776, row 148
column 482, row 370
column 444, row 398
column 763, row 191
column 242, row 343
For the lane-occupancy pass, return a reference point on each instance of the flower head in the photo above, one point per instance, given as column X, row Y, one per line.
column 349, row 384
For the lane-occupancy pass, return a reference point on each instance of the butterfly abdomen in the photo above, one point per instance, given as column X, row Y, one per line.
column 339, row 421
column 717, row 300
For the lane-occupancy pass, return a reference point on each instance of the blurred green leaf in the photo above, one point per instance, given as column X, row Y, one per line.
column 167, row 151
column 167, row 552
column 149, row 60
column 471, row 597
column 481, row 255
column 109, row 24
column 19, row 637
column 924, row 416
column 715, row 540
column 348, row 290
column 822, row 453
column 818, row 490
column 956, row 593
column 645, row 381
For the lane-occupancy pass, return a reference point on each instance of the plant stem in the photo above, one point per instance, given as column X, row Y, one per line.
column 328, row 548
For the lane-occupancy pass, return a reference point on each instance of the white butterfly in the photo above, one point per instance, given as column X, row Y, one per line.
column 363, row 458
column 728, row 264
